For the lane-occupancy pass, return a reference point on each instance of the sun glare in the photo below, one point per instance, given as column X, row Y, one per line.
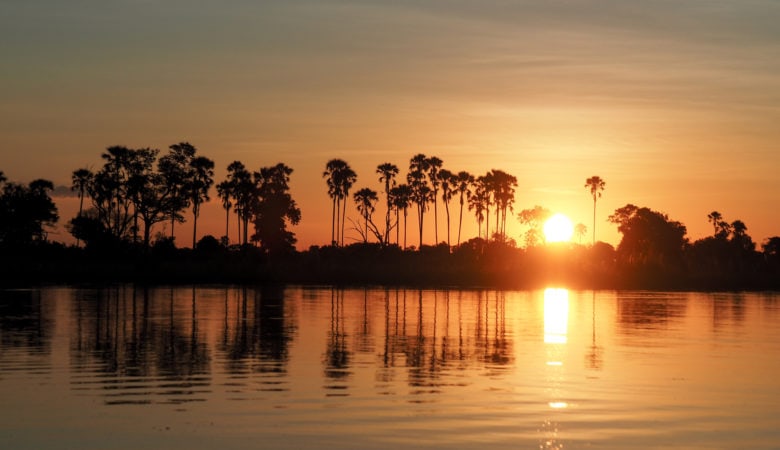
column 558, row 228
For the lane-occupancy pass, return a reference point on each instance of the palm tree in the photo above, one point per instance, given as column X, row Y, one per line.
column 464, row 182
column 721, row 227
column 580, row 230
column 434, row 166
column 225, row 192
column 504, row 195
column 332, row 173
column 387, row 173
column 448, row 182
column 346, row 179
column 366, row 199
column 243, row 189
column 596, row 184
column 479, row 201
column 421, row 192
column 402, row 199
column 201, row 179
column 81, row 180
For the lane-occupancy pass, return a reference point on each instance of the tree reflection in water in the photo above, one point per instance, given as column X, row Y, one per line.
column 337, row 355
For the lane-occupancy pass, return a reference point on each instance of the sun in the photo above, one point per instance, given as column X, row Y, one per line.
column 558, row 228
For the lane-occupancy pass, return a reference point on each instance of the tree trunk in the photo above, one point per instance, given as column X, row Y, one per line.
column 333, row 221
column 397, row 228
column 420, row 212
column 227, row 226
column 435, row 220
column 147, row 233
column 460, row 219
column 194, row 227
column 344, row 218
column 405, row 216
column 594, row 220
column 447, row 210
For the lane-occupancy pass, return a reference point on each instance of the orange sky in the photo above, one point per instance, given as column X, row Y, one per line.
column 675, row 105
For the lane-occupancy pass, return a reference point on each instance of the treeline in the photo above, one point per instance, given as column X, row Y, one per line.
column 135, row 189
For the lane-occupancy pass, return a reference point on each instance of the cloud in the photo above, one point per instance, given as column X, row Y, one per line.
column 62, row 191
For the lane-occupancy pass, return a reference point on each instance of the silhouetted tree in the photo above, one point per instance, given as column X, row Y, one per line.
column 596, row 185
column 153, row 198
column 332, row 173
column 740, row 237
column 721, row 228
column 771, row 249
column 421, row 191
column 109, row 191
column 225, row 192
column 25, row 211
column 580, row 230
column 175, row 170
column 534, row 219
column 504, row 186
column 434, row 166
column 81, row 179
column 273, row 209
column 480, row 203
column 650, row 239
column 201, row 178
column 387, row 173
column 340, row 177
column 243, row 190
column 365, row 199
column 464, row 183
column 402, row 200
column 448, row 185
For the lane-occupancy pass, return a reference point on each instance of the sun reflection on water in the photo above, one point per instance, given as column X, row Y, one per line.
column 556, row 315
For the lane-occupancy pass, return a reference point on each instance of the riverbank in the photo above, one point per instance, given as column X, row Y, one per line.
column 491, row 265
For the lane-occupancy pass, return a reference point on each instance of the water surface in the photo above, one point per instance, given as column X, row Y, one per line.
column 128, row 367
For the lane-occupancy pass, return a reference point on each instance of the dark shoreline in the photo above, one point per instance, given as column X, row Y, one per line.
column 492, row 267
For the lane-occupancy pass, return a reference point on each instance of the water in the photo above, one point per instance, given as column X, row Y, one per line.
column 125, row 367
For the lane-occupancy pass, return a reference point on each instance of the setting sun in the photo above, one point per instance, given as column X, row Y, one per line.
column 558, row 228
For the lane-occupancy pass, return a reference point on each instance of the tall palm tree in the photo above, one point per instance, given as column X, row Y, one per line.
column 464, row 182
column 448, row 182
column 225, row 192
column 333, row 171
column 721, row 227
column 365, row 199
column 346, row 178
column 402, row 199
column 201, row 179
column 479, row 201
column 81, row 179
column 387, row 173
column 596, row 184
column 504, row 194
column 434, row 166
column 243, row 189
column 80, row 182
column 580, row 229
column 421, row 191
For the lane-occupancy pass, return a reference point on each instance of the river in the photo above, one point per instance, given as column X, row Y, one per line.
column 127, row 367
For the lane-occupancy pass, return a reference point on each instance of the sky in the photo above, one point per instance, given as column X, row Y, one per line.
column 675, row 104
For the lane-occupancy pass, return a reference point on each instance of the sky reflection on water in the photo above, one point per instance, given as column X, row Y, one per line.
column 332, row 368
